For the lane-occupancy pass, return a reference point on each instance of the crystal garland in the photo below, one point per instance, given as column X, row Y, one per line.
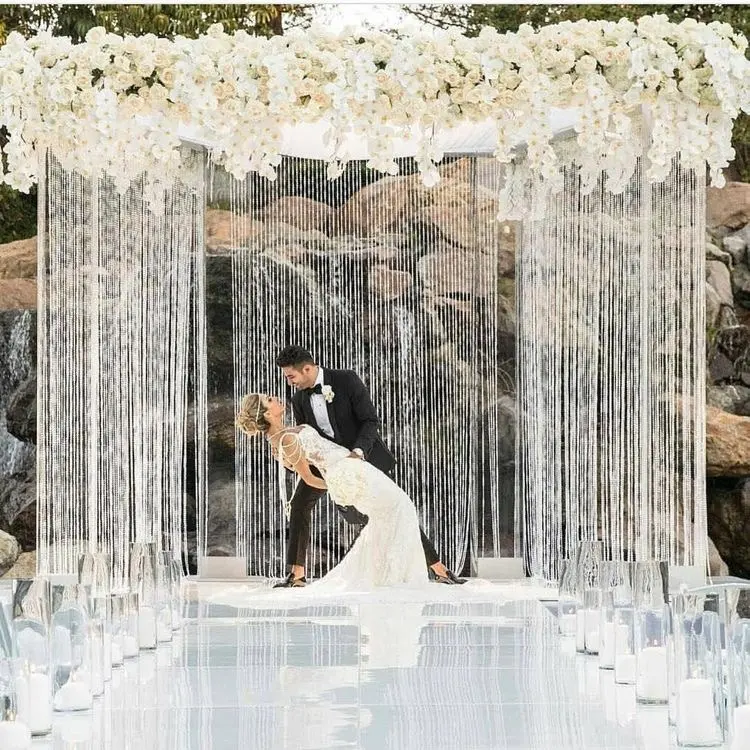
column 611, row 358
column 364, row 278
column 115, row 277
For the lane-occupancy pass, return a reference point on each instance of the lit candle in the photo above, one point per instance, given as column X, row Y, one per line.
column 34, row 695
column 651, row 678
column 607, row 650
column 625, row 669
column 14, row 735
column 147, row 627
column 741, row 735
column 696, row 719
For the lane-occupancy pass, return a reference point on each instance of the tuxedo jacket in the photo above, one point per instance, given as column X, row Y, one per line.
column 352, row 415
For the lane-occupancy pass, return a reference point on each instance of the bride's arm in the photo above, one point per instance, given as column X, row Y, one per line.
column 294, row 459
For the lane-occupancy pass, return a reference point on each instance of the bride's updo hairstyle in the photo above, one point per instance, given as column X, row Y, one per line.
column 251, row 418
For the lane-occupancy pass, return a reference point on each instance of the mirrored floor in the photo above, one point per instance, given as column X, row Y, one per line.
column 370, row 674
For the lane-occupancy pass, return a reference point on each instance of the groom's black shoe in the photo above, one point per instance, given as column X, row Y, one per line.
column 451, row 579
column 290, row 582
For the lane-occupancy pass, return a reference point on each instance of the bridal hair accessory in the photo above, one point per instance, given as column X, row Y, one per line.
column 244, row 421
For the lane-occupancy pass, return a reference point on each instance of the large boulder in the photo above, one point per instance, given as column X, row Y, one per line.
column 729, row 521
column 18, row 294
column 727, row 444
column 298, row 211
column 18, row 505
column 728, row 206
column 225, row 231
column 18, row 259
column 376, row 208
column 21, row 410
column 10, row 549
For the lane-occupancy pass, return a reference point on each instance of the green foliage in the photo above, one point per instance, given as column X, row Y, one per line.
column 17, row 214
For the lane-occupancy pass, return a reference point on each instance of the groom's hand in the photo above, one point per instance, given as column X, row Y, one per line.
column 357, row 453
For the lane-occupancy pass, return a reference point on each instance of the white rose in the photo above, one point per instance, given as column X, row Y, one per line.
column 586, row 65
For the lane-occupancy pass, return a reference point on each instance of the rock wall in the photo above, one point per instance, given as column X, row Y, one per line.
column 728, row 351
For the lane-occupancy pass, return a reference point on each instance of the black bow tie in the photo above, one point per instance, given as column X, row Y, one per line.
column 315, row 389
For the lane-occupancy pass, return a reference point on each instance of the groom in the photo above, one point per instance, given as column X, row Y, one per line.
column 338, row 405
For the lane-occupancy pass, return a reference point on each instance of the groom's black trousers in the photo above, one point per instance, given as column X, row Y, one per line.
column 303, row 502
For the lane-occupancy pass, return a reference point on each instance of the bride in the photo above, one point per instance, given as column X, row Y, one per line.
column 388, row 551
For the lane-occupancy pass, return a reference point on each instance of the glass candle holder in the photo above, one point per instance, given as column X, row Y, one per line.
column 650, row 632
column 13, row 731
column 118, row 616
column 71, row 649
column 130, row 626
column 698, row 670
column 31, row 622
column 624, row 619
column 144, row 582
column 178, row 598
column 738, row 728
column 567, row 602
column 587, row 574
column 165, row 597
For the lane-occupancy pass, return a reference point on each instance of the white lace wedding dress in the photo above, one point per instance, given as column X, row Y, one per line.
column 388, row 551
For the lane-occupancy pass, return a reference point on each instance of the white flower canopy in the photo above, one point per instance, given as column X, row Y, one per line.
column 121, row 105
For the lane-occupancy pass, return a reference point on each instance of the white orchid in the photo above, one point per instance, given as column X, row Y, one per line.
column 116, row 103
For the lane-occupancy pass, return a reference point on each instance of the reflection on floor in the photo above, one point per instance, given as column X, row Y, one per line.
column 485, row 669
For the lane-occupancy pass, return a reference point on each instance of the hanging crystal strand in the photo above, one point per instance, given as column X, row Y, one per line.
column 200, row 366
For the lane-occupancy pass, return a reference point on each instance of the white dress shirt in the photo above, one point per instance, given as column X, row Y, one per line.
column 320, row 408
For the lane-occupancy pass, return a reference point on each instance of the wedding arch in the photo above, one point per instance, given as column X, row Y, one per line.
column 607, row 216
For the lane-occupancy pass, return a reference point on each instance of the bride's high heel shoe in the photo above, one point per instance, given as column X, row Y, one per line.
column 290, row 582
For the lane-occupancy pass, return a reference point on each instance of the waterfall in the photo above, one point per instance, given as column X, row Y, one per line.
column 16, row 352
column 401, row 284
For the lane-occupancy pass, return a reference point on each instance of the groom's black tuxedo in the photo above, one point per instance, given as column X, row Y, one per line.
column 355, row 424
column 352, row 415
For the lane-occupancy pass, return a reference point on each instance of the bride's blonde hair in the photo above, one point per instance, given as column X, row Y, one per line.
column 251, row 418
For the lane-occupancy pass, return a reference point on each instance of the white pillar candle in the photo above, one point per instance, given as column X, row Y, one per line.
column 696, row 719
column 14, row 735
column 607, row 646
column 741, row 728
column 592, row 617
column 129, row 647
column 34, row 696
column 651, row 675
column 147, row 627
column 625, row 669
column 580, row 630
column 74, row 696
column 567, row 624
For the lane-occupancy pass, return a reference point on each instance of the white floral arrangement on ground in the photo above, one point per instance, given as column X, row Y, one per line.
column 116, row 104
